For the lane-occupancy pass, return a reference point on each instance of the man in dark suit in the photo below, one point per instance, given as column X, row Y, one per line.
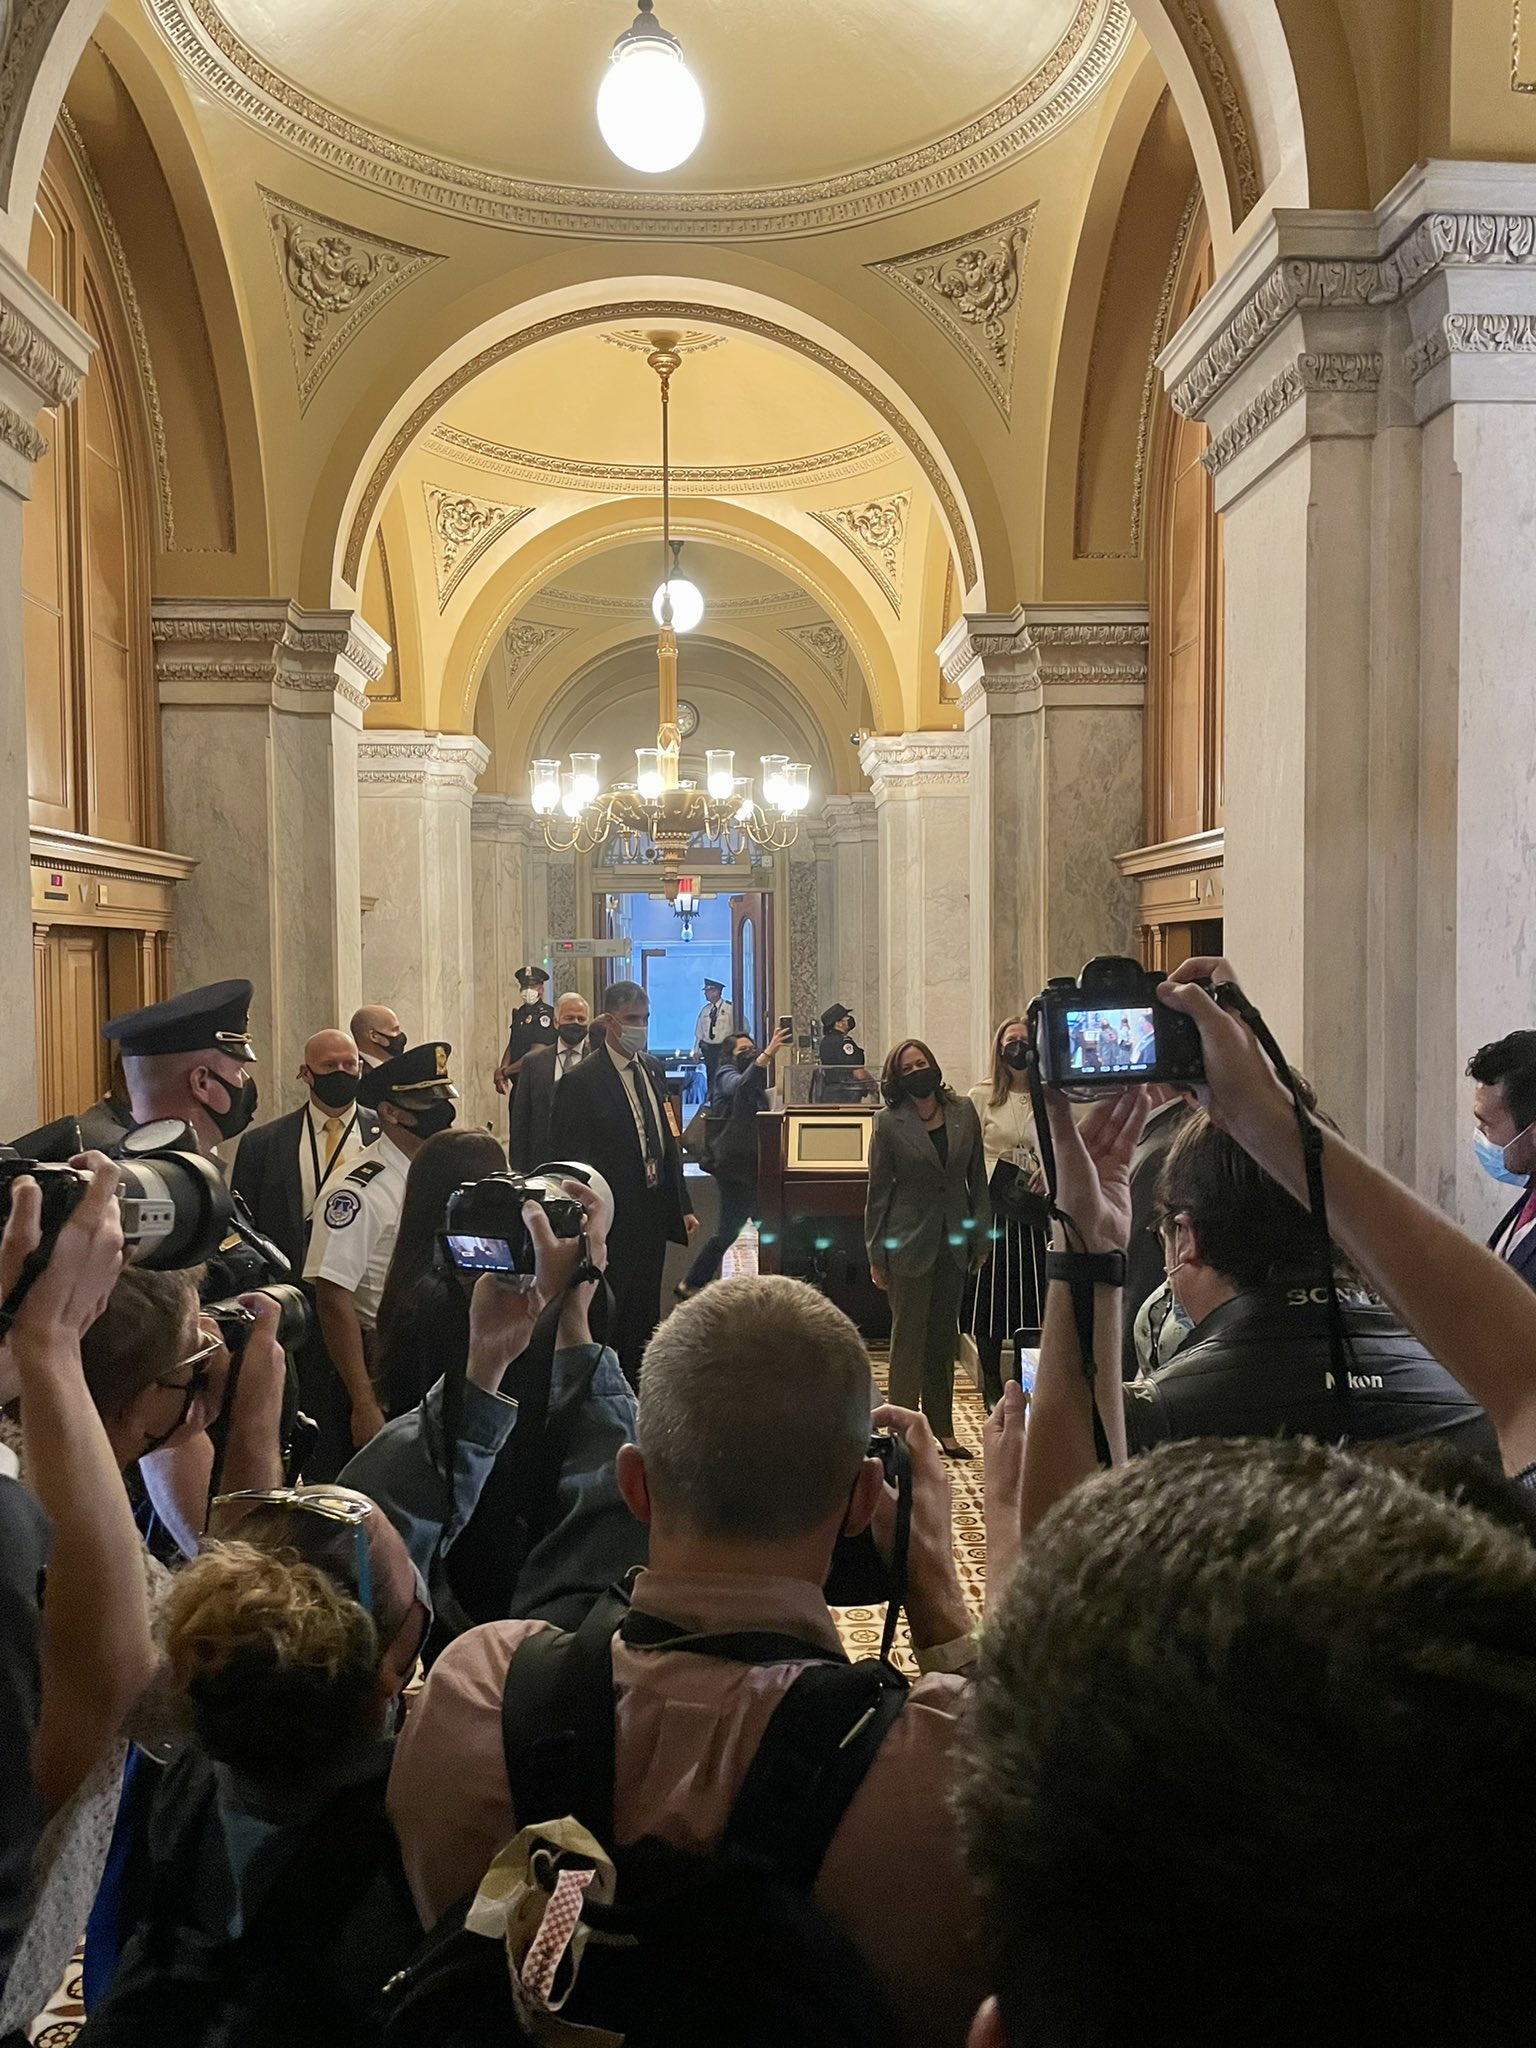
column 610, row 1112
column 1504, row 1107
column 281, row 1171
column 541, row 1074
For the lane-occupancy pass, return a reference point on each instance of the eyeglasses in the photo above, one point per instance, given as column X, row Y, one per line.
column 199, row 1374
column 226, row 1511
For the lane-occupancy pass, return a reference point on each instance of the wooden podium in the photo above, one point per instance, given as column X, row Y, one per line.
column 813, row 1178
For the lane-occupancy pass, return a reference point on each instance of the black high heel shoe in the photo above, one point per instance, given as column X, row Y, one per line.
column 958, row 1451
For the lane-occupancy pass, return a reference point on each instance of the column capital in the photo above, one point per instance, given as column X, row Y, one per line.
column 1332, row 323
column 903, row 766
column 1045, row 655
column 445, row 765
column 850, row 820
column 44, row 355
column 506, row 819
column 265, row 650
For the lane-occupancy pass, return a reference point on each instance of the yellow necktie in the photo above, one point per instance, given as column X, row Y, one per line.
column 332, row 1140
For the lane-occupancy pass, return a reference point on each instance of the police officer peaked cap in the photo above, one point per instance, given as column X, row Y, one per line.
column 211, row 1019
column 532, row 977
column 833, row 1011
column 710, row 982
column 419, row 1071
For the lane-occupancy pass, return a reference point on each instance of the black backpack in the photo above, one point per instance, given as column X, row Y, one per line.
column 727, row 1950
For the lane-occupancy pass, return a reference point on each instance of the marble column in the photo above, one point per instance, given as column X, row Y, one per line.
column 921, row 783
column 416, row 791
column 1370, row 383
column 1052, row 699
column 854, row 976
column 500, row 864
column 261, row 709
column 43, row 357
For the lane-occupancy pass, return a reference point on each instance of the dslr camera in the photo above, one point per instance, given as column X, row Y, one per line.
column 236, row 1322
column 484, row 1230
column 175, row 1207
column 860, row 1576
column 1107, row 1030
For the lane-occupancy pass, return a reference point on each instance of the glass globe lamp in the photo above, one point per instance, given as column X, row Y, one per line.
column 649, row 107
column 687, row 603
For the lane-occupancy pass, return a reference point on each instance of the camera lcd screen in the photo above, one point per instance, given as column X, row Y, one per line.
column 1111, row 1040
column 481, row 1254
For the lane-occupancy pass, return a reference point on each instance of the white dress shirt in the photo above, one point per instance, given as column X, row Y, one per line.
column 355, row 1226
column 722, row 1028
column 634, row 1080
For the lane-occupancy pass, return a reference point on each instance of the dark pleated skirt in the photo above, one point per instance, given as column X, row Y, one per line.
column 1008, row 1293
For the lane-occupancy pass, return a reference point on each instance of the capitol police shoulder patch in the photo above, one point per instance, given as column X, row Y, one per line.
column 341, row 1208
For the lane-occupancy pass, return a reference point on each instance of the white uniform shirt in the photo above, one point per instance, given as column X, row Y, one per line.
column 354, row 1227
column 313, row 1145
column 723, row 1028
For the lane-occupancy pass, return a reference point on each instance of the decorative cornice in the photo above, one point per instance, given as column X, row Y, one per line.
column 1472, row 334
column 1229, row 107
column 21, row 435
column 463, row 528
column 1084, row 633
column 321, row 654
column 1440, row 240
column 335, row 278
column 916, row 764
column 875, row 533
column 226, row 66
column 446, row 763
column 26, row 32
column 561, row 472
column 29, row 351
column 970, row 288
column 602, row 603
column 1340, row 373
column 649, row 311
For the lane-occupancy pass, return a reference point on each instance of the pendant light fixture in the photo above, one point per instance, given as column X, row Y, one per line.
column 649, row 106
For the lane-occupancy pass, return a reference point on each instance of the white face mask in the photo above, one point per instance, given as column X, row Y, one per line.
column 530, row 996
column 634, row 1038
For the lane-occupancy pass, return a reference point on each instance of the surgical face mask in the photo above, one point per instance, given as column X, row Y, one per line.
column 237, row 1117
column 1016, row 1053
column 530, row 996
column 437, row 1116
column 334, row 1091
column 572, row 1034
column 921, row 1083
column 1490, row 1158
column 634, row 1038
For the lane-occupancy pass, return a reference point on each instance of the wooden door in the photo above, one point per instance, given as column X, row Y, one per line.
column 71, row 984
column 752, row 962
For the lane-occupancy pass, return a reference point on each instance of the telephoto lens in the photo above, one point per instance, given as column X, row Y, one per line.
column 176, row 1209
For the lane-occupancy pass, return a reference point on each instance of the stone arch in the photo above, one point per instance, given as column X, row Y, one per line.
column 564, row 544
column 968, row 509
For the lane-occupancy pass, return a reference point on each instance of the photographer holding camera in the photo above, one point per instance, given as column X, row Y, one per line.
column 752, row 1460
column 448, row 1472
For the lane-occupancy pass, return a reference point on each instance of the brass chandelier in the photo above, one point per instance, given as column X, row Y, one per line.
column 578, row 815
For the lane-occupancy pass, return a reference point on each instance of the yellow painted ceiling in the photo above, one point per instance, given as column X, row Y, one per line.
column 585, row 396
column 635, row 570
column 513, row 86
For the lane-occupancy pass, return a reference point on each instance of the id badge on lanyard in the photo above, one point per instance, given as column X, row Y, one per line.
column 323, row 1174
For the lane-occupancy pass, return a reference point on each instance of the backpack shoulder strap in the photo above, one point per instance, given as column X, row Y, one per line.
column 812, row 1759
column 557, row 1723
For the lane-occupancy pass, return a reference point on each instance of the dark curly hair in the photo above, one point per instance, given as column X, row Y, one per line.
column 890, row 1074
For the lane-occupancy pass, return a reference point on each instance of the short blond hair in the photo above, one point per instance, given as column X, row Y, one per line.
column 754, row 1411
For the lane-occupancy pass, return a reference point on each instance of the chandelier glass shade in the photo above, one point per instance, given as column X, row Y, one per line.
column 659, row 815
column 650, row 110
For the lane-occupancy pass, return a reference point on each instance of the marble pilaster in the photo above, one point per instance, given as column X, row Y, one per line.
column 416, row 791
column 500, row 829
column 43, row 357
column 1370, row 384
column 921, row 783
column 1052, row 698
column 852, row 975
column 261, row 710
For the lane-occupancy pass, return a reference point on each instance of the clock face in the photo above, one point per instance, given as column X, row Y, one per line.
column 687, row 719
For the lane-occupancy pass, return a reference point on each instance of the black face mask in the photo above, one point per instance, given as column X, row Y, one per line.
column 851, row 1023
column 242, row 1107
column 922, row 1083
column 437, row 1116
column 393, row 1047
column 335, row 1091
column 1016, row 1053
column 573, row 1034
column 745, row 1060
